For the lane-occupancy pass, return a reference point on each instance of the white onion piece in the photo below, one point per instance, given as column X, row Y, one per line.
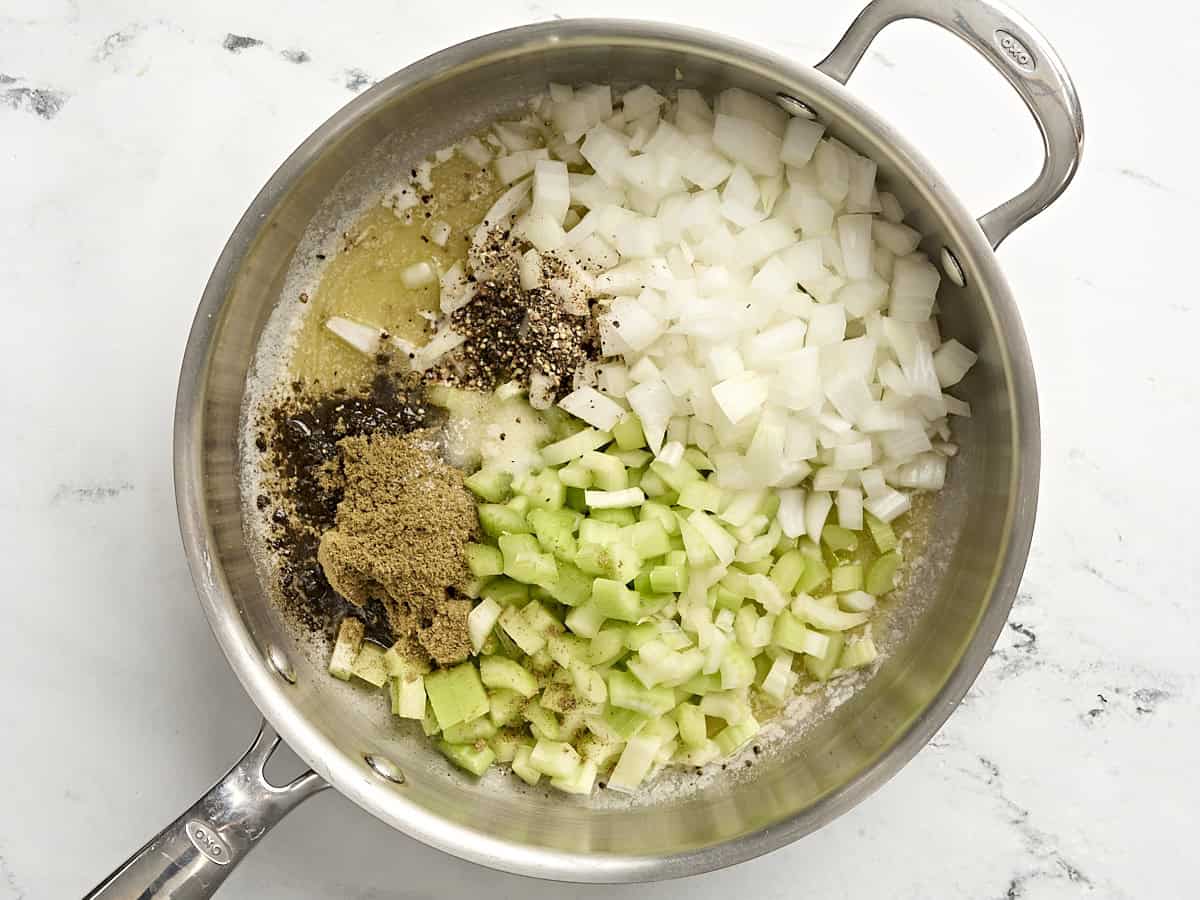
column 593, row 407
column 816, row 509
column 741, row 395
column 791, row 513
column 951, row 362
column 365, row 339
column 418, row 275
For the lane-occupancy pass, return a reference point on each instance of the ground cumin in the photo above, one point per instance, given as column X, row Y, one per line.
column 400, row 536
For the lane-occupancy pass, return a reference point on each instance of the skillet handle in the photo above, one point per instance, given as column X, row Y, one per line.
column 1022, row 56
column 191, row 857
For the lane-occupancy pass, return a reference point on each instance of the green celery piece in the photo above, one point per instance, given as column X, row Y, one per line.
column 816, row 573
column 859, row 653
column 784, row 545
column 576, row 499
column 522, row 633
column 585, row 620
column 429, row 724
column 566, row 649
column 668, row 579
column 822, row 668
column 555, row 758
column 702, row 684
column 621, row 723
column 519, row 503
column 758, row 567
column 787, row 570
column 505, row 706
column 543, row 722
column 497, row 520
column 653, row 486
column 574, row 475
column 598, row 531
column 839, row 539
column 505, row 744
column 476, row 759
column 733, row 737
column 675, row 476
column 346, row 648
column 693, row 724
column 548, row 492
column 697, row 459
column 575, row 446
column 675, row 558
column 514, row 545
column 651, row 604
column 456, row 695
column 809, row 548
column 598, row 751
column 881, row 533
column 847, row 578
column 770, row 504
column 615, row 601
column 491, row 485
column 702, row 495
column 789, row 632
column 737, row 582
column 506, row 592
column 468, row 732
column 744, row 623
column 631, row 459
column 723, row 598
column 628, row 433
column 608, row 472
column 640, row 634
column 621, row 517
column 625, row 692
column 653, row 511
column 369, row 665
column 521, row 767
column 554, row 530
column 559, row 698
column 737, row 668
column 881, row 575
column 641, row 584
column 541, row 619
column 484, row 561
column 649, row 539
column 572, row 587
column 606, row 647
column 532, row 568
column 500, row 673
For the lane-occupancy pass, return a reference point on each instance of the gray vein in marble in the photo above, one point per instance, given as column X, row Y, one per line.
column 43, row 102
column 886, row 61
column 10, row 879
column 236, row 43
column 357, row 79
column 90, row 493
column 1143, row 178
column 115, row 42
column 295, row 56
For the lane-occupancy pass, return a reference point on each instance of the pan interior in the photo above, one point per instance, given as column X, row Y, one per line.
column 957, row 595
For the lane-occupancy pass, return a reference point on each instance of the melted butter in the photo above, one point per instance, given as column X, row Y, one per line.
column 363, row 280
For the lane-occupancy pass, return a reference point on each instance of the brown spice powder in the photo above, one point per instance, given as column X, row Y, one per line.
column 400, row 536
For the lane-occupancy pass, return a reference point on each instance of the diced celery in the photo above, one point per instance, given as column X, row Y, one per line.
column 484, row 561
column 734, row 737
column 619, row 516
column 825, row 616
column 881, row 576
column 787, row 570
column 346, row 647
column 789, row 632
column 580, row 781
column 456, row 695
column 697, row 756
column 601, row 751
column 555, row 531
column 521, row 767
column 702, row 684
column 758, row 566
column 608, row 472
column 497, row 520
column 625, row 692
column 728, row 705
column 408, row 696
column 491, row 485
column 809, row 548
column 636, row 636
column 632, row 459
column 881, row 533
column 506, row 592
column 500, row 673
column 506, row 743
column 702, row 495
column 513, row 545
column 815, row 574
column 652, row 511
column 554, row 758
column 517, row 627
column 542, row 722
column 605, row 647
column 585, row 620
column 649, row 539
column 567, row 648
column 574, row 475
column 821, row 668
column 628, row 433
column 653, row 486
column 616, row 723
column 574, row 446
column 369, row 665
column 575, row 499
column 479, row 729
column 572, row 586
column 744, row 623
column 785, row 544
column 839, row 539
column 847, row 578
column 858, row 653
column 675, row 476
column 723, row 598
column 641, row 584
column 559, row 698
column 737, row 582
column 668, row 579
column 475, row 758
column 546, row 491
column 429, row 724
column 617, row 560
column 737, row 668
column 505, row 706
column 699, row 552
column 693, row 727
column 635, row 763
column 520, row 504
column 588, row 683
column 696, row 457
column 615, row 600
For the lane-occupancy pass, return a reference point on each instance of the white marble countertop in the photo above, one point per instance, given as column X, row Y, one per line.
column 132, row 136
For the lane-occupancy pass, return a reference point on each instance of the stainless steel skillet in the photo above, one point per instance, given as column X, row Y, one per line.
column 983, row 523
